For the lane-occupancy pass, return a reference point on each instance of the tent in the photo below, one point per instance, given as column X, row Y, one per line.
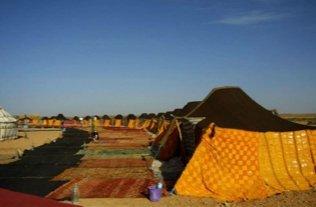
column 106, row 120
column 168, row 143
column 8, row 125
column 230, row 107
column 118, row 120
column 131, row 121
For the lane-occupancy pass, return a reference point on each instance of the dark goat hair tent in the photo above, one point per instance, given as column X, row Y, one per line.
column 189, row 107
column 143, row 116
column 87, row 118
column 131, row 116
column 177, row 112
column 160, row 114
column 119, row 116
column 151, row 115
column 231, row 107
column 105, row 117
column 186, row 109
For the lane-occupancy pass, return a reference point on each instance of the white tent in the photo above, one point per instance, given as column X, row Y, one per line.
column 8, row 125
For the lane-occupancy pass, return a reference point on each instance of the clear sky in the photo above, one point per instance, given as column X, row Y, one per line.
column 109, row 57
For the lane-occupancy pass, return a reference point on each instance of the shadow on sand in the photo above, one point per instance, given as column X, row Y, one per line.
column 32, row 174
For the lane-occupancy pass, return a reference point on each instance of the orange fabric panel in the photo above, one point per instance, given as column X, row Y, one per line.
column 239, row 165
column 117, row 122
column 131, row 123
column 286, row 160
column 106, row 123
column 50, row 122
column 225, row 167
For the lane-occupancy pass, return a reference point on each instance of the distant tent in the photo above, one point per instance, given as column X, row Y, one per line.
column 119, row 116
column 25, row 120
column 131, row 121
column 61, row 117
column 8, row 125
column 106, row 120
column 131, row 116
column 118, row 120
column 177, row 112
column 105, row 117
column 180, row 112
column 44, row 121
column 160, row 114
column 87, row 118
column 143, row 116
column 189, row 107
column 168, row 115
column 151, row 115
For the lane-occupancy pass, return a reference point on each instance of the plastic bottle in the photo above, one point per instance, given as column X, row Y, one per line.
column 75, row 193
column 159, row 185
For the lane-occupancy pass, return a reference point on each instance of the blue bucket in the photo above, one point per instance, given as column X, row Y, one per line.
column 154, row 193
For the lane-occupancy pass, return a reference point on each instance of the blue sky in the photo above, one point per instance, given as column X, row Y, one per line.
column 109, row 57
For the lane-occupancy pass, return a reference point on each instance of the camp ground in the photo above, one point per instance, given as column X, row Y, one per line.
column 224, row 150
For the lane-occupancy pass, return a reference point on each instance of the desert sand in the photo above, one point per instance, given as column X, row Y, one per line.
column 11, row 150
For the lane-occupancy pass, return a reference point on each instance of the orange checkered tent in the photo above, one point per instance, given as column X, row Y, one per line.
column 232, row 165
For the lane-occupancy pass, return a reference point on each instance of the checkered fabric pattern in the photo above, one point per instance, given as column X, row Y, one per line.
column 225, row 167
column 236, row 165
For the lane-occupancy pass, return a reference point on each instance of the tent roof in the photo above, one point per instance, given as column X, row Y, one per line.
column 231, row 107
column 5, row 117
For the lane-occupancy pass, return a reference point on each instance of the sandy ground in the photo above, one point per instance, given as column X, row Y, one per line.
column 11, row 150
column 288, row 199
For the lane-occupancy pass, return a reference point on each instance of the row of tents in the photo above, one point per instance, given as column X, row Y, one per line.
column 130, row 121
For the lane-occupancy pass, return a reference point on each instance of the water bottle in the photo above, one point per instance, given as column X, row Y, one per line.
column 75, row 193
column 159, row 185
